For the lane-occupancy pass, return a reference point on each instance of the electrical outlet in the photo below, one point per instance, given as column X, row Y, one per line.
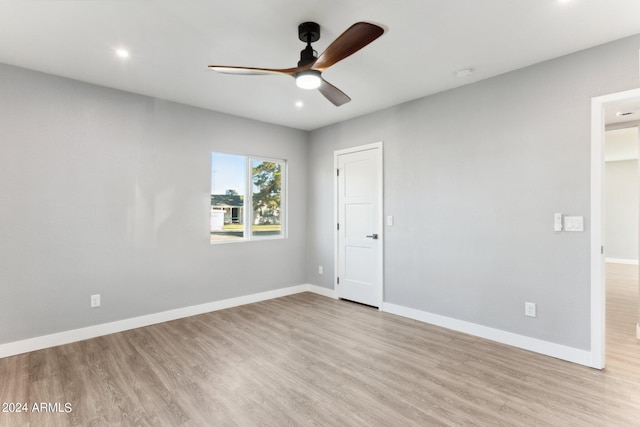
column 320, row 270
column 95, row 300
column 530, row 309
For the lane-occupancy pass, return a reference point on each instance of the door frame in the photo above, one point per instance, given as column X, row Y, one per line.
column 598, row 282
column 378, row 146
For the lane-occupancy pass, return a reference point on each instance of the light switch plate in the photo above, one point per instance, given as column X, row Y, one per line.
column 557, row 222
column 573, row 223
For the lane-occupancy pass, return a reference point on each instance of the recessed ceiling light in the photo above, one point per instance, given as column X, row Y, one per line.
column 464, row 72
column 122, row 53
column 625, row 113
column 299, row 104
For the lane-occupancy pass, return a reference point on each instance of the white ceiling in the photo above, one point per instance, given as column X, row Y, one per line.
column 622, row 113
column 171, row 43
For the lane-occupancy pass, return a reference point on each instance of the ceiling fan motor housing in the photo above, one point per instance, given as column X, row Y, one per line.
column 308, row 32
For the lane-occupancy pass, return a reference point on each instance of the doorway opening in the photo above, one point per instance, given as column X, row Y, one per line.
column 603, row 108
column 621, row 218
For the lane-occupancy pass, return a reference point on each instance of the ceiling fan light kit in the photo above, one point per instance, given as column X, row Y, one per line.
column 309, row 79
column 308, row 73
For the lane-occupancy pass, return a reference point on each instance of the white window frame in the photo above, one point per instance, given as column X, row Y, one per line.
column 248, row 215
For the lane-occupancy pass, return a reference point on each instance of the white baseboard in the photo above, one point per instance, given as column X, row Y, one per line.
column 622, row 261
column 570, row 354
column 66, row 337
column 582, row 357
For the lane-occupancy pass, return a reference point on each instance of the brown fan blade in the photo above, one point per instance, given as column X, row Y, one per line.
column 355, row 38
column 333, row 94
column 251, row 71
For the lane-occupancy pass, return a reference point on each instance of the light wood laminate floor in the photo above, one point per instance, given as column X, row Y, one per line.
column 309, row 360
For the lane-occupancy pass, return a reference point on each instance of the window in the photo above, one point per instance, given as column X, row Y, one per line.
column 247, row 198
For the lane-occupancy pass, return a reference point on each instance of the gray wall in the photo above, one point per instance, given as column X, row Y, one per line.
column 473, row 177
column 108, row 192
column 621, row 225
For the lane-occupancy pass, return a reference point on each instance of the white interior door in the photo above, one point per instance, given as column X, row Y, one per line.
column 359, row 229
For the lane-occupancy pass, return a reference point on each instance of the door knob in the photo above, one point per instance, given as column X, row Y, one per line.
column 373, row 236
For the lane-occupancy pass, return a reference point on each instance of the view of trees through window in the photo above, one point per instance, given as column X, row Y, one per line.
column 267, row 192
column 238, row 215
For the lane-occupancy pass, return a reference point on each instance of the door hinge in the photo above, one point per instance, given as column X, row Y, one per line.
column 601, row 250
column 337, row 172
column 338, row 226
column 338, row 280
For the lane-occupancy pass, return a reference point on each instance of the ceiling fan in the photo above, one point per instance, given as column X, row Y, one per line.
column 308, row 73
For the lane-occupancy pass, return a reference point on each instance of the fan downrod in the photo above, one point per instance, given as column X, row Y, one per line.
column 308, row 32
